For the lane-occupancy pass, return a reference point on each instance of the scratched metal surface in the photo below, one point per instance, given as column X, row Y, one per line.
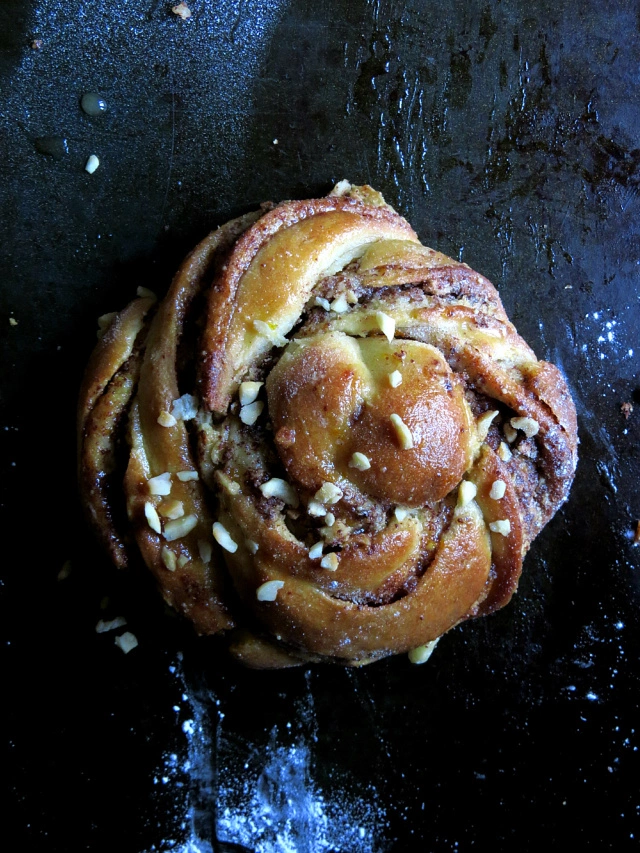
column 507, row 133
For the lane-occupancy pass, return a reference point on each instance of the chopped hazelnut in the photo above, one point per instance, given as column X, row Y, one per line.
column 160, row 485
column 250, row 414
column 503, row 527
column 171, row 508
column 166, row 419
column 179, row 527
column 340, row 305
column 277, row 488
column 359, row 461
column 503, row 452
column 248, row 392
column 222, row 537
column 402, row 431
column 92, row 164
column 395, row 379
column 153, row 519
column 529, row 426
column 484, row 422
column 168, row 558
column 186, row 476
column 498, row 488
column 316, row 509
column 386, row 324
column 315, row 552
column 328, row 494
column 182, row 11
column 126, row 642
column 466, row 493
column 510, row 433
column 268, row 591
column 330, row 562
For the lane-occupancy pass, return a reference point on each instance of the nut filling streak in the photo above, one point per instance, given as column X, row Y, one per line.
column 327, row 442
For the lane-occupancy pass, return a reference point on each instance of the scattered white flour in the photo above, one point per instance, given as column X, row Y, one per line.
column 261, row 796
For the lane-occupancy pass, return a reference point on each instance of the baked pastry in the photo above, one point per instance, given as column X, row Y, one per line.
column 327, row 441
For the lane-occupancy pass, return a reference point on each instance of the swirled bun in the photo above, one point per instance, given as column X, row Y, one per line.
column 337, row 445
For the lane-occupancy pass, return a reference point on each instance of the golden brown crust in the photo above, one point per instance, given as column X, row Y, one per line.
column 376, row 446
column 108, row 385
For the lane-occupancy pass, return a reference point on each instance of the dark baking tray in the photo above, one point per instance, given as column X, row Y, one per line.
column 507, row 133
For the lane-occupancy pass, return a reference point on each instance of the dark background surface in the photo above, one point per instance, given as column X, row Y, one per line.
column 508, row 134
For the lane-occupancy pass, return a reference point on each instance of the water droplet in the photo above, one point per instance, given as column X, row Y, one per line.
column 93, row 104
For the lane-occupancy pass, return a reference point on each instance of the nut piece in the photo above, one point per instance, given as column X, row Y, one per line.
column 329, row 519
column 248, row 392
column 386, row 324
column 171, row 509
column 484, row 422
column 104, row 625
column 528, row 426
column 403, row 432
column 277, row 488
column 330, row 562
column 466, row 493
column 503, row 452
column 315, row 552
column 395, row 379
column 503, row 527
column 359, row 461
column 222, row 537
column 153, row 519
column 498, row 488
column 422, row 653
column 401, row 513
column 268, row 591
column 168, row 558
column 160, row 485
column 316, row 509
column 182, row 11
column 127, row 642
column 328, row 494
column 166, row 419
column 92, row 164
column 180, row 527
column 185, row 476
column 249, row 414
column 252, row 547
column 339, row 304
column 321, row 302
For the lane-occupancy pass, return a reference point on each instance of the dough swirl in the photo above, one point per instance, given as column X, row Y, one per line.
column 365, row 451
